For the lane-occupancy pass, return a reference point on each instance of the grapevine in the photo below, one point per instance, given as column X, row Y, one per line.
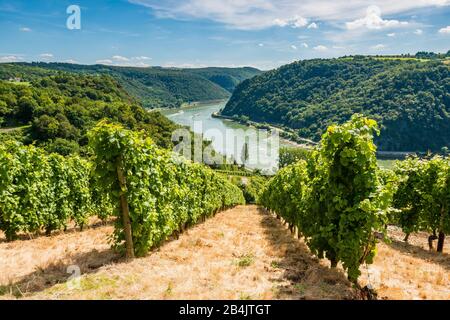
column 163, row 191
column 337, row 198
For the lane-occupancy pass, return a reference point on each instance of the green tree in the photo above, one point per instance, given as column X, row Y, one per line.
column 26, row 108
column 290, row 156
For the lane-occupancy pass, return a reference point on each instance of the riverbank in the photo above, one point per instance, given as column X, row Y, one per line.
column 307, row 144
column 202, row 103
column 284, row 133
column 186, row 105
column 208, row 114
column 227, row 137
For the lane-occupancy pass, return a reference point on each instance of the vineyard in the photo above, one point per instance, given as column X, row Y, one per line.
column 423, row 198
column 159, row 192
column 207, row 152
column 335, row 198
column 40, row 191
column 341, row 202
column 152, row 193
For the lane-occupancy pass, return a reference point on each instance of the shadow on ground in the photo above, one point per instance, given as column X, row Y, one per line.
column 442, row 259
column 306, row 277
column 57, row 273
column 69, row 230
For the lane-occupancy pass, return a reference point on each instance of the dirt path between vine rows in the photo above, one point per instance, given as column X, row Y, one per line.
column 242, row 253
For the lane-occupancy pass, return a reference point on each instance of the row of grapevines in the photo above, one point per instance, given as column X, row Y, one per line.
column 161, row 191
column 423, row 196
column 39, row 191
column 337, row 199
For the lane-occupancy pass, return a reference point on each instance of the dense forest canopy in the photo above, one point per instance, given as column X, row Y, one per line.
column 432, row 55
column 155, row 87
column 227, row 78
column 57, row 109
column 409, row 96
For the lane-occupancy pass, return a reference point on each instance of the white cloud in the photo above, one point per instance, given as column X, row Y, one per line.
column 378, row 47
column 25, row 29
column 46, row 56
column 141, row 58
column 338, row 47
column 104, row 61
column 305, row 45
column 121, row 61
column 120, row 58
column 374, row 21
column 260, row 14
column 294, row 47
column 72, row 61
column 418, row 32
column 261, row 44
column 295, row 22
column 445, row 30
column 184, row 65
column 320, row 48
column 10, row 58
column 137, row 64
column 391, row 35
column 298, row 22
column 280, row 22
column 313, row 26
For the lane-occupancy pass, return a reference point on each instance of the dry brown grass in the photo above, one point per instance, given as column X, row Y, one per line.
column 409, row 270
column 240, row 254
column 28, row 266
column 243, row 253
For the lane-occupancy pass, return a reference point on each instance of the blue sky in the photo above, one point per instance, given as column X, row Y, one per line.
column 197, row 33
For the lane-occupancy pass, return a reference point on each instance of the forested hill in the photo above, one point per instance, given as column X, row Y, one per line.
column 157, row 87
column 55, row 111
column 227, row 78
column 410, row 97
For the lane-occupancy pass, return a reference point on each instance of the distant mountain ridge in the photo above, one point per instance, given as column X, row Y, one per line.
column 157, row 87
column 408, row 95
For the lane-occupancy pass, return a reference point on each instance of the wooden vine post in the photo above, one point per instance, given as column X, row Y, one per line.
column 125, row 210
column 441, row 237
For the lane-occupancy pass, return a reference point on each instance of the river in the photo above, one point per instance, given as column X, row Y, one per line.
column 229, row 137
column 212, row 127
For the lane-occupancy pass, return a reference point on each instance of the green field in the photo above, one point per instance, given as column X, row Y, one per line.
column 25, row 83
column 403, row 59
